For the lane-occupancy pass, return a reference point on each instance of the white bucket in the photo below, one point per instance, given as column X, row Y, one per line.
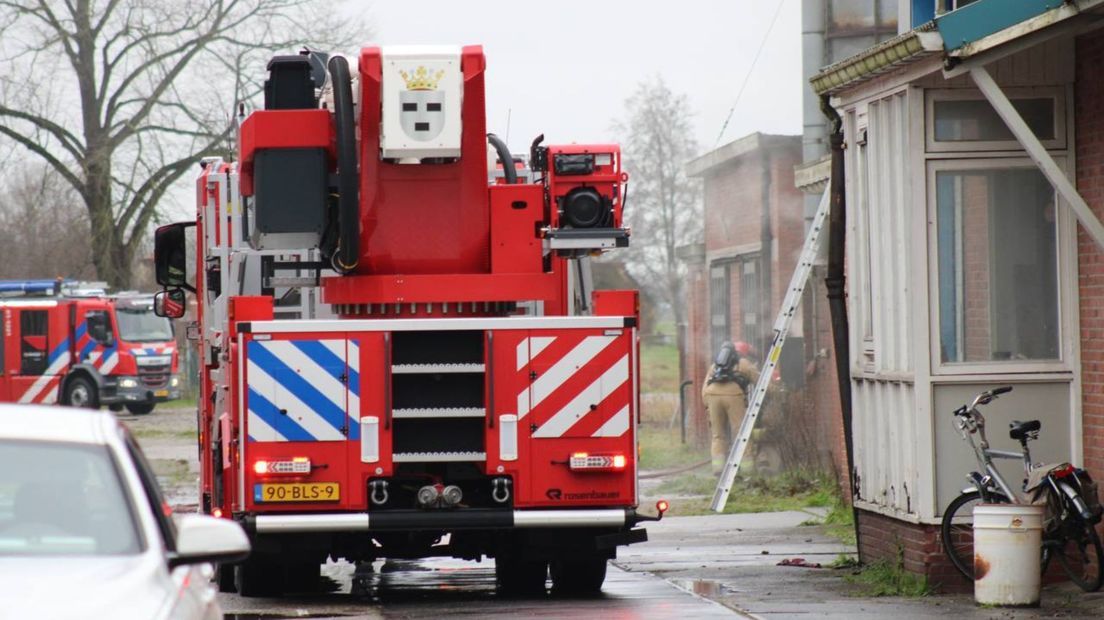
column 1007, row 550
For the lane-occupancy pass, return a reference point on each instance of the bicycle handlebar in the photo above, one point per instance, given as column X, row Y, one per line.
column 985, row 398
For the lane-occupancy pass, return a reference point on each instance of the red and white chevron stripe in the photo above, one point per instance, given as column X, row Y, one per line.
column 581, row 387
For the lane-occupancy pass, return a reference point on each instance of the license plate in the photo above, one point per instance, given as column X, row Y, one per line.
column 160, row 393
column 297, row 492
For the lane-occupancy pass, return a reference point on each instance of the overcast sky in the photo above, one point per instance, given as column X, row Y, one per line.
column 565, row 68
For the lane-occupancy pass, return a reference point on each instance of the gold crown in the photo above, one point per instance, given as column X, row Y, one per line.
column 422, row 79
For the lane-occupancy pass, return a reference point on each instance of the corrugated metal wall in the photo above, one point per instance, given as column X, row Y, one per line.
column 881, row 237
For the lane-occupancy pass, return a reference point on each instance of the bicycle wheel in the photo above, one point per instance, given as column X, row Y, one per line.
column 958, row 529
column 1079, row 553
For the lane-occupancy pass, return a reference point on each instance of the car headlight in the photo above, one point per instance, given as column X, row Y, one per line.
column 128, row 383
column 175, row 381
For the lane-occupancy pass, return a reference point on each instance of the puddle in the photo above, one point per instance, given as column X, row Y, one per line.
column 701, row 587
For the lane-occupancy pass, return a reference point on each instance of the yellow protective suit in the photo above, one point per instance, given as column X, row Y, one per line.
column 726, row 403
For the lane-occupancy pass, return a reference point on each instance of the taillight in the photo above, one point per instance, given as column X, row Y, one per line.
column 297, row 465
column 582, row 461
column 1064, row 470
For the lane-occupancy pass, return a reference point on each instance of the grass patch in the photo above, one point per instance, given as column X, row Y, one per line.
column 659, row 368
column 158, row 433
column 180, row 403
column 662, row 448
column 171, row 472
column 888, row 579
column 845, row 561
column 787, row 491
column 840, row 523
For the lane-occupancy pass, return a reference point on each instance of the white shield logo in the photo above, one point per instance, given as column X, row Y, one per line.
column 422, row 113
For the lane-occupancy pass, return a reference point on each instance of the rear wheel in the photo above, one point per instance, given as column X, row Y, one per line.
column 224, row 578
column 958, row 529
column 259, row 576
column 80, row 391
column 583, row 575
column 139, row 408
column 303, row 576
column 1080, row 554
column 514, row 576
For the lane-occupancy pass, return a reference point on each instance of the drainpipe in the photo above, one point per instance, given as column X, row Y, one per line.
column 835, row 282
column 766, row 256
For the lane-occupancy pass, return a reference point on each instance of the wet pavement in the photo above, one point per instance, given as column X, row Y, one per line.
column 436, row 587
column 717, row 566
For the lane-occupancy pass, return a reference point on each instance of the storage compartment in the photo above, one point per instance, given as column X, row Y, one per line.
column 438, row 399
column 444, row 347
column 289, row 198
column 421, row 391
column 441, row 435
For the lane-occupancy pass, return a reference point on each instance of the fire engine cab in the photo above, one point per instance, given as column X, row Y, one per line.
column 401, row 356
column 69, row 342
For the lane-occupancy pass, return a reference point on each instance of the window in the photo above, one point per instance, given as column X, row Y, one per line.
column 751, row 302
column 99, row 327
column 157, row 503
column 719, row 327
column 33, row 341
column 63, row 499
column 963, row 120
column 997, row 266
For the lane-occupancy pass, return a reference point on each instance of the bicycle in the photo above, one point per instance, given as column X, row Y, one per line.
column 1072, row 508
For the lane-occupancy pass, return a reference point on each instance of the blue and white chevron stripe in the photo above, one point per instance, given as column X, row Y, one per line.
column 296, row 393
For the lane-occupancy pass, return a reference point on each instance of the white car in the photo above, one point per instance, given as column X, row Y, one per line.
column 85, row 531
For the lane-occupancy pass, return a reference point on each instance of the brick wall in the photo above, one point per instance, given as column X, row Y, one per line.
column 916, row 546
column 697, row 353
column 1089, row 128
column 821, row 394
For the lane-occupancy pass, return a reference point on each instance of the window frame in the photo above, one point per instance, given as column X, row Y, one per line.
column 1064, row 241
column 725, row 266
column 932, row 96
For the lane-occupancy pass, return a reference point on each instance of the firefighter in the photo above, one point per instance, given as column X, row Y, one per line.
column 730, row 379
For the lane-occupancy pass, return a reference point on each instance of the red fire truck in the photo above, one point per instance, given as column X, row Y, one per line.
column 70, row 343
column 401, row 354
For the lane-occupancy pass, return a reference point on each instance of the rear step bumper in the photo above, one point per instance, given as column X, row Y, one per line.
column 405, row 520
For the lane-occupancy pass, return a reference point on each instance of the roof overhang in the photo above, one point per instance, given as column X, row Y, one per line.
column 981, row 32
column 889, row 55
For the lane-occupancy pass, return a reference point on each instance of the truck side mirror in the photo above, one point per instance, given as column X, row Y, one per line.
column 170, row 255
column 169, row 303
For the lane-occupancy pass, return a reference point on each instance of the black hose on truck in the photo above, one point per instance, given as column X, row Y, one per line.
column 348, row 180
column 504, row 155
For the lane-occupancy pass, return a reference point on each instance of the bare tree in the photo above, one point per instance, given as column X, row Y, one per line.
column 664, row 205
column 43, row 228
column 121, row 97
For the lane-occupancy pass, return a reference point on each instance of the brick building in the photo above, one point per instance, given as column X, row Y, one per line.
column 972, row 261
column 754, row 231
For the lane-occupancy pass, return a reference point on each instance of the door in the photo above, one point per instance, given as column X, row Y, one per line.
column 578, row 399
column 298, row 390
column 39, row 359
column 580, row 383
